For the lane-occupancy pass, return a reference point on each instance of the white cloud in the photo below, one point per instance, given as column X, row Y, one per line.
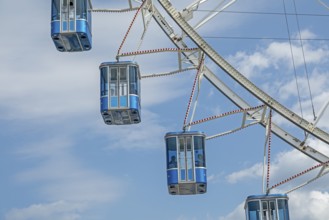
column 317, row 82
column 304, row 203
column 302, row 206
column 58, row 92
column 237, row 213
column 255, row 171
column 306, row 34
column 318, row 145
column 51, row 211
column 70, row 187
column 280, row 52
column 276, row 54
column 249, row 64
column 148, row 134
column 283, row 166
column 309, row 205
column 47, row 84
column 160, row 90
column 38, row 82
column 320, row 101
column 273, row 63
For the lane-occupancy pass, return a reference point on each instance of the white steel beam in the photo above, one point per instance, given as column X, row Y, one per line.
column 212, row 14
column 241, row 79
column 235, row 98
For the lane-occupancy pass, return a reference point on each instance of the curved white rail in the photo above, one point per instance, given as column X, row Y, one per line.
column 238, row 77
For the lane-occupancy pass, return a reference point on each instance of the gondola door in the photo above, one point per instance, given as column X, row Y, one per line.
column 186, row 165
column 68, row 15
column 269, row 210
column 118, row 87
column 123, row 88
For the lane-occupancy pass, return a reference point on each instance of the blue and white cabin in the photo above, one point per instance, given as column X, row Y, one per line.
column 267, row 207
column 120, row 93
column 71, row 25
column 186, row 164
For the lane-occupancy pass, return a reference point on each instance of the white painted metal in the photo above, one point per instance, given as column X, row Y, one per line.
column 323, row 4
column 234, row 97
column 241, row 79
column 258, row 117
column 219, row 8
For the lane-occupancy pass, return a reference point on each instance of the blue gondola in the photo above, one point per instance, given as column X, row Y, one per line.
column 188, row 174
column 267, row 207
column 120, row 92
column 71, row 25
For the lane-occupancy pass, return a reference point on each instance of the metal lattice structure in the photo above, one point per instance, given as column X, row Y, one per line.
column 257, row 115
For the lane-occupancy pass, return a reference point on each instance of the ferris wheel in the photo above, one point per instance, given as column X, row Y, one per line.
column 121, row 100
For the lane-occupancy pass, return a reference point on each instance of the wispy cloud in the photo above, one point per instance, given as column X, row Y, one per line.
column 283, row 166
column 148, row 134
column 51, row 211
column 316, row 208
column 276, row 54
column 71, row 187
column 255, row 171
column 267, row 67
column 237, row 213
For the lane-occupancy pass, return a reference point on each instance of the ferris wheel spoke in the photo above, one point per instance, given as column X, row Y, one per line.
column 323, row 4
column 259, row 117
column 238, row 77
column 273, row 104
column 233, row 96
column 321, row 173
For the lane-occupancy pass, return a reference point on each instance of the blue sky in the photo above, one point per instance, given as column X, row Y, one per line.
column 59, row 161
